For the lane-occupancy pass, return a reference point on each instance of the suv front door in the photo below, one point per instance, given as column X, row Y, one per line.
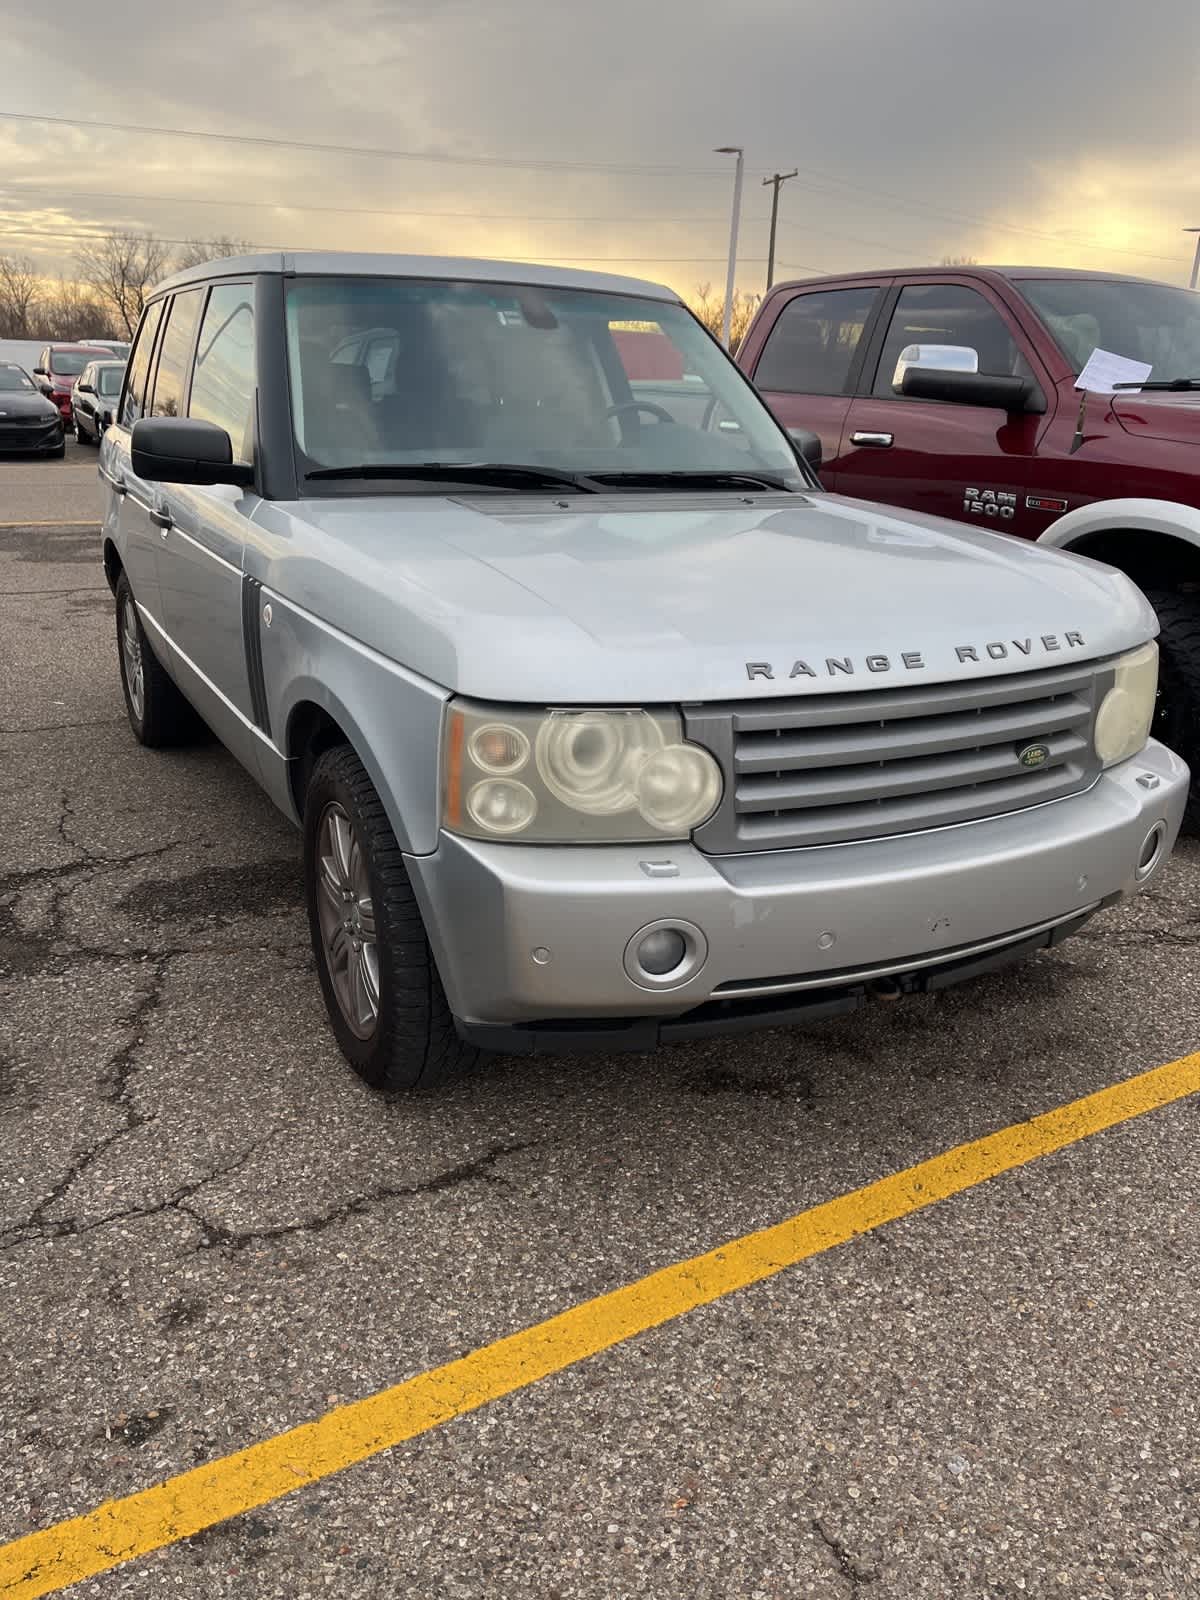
column 133, row 500
column 951, row 460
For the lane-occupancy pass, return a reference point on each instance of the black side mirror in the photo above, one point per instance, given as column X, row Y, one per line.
column 185, row 450
column 808, row 446
column 40, row 372
column 1003, row 393
column 85, row 388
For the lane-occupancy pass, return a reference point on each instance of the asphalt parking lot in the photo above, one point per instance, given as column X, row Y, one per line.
column 211, row 1232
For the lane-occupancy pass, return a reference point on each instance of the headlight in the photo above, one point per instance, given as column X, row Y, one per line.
column 573, row 777
column 1127, row 710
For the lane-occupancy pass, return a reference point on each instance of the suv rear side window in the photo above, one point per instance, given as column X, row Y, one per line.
column 173, row 352
column 948, row 313
column 811, row 347
column 223, row 377
column 134, row 404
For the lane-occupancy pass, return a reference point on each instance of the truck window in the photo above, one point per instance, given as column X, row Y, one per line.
column 948, row 313
column 811, row 347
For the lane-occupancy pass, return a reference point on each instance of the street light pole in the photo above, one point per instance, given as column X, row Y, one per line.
column 1195, row 259
column 775, row 183
column 735, row 219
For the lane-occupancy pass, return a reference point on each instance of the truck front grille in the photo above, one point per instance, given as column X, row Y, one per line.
column 828, row 769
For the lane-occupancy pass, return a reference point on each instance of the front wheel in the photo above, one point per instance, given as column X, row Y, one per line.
column 1177, row 713
column 385, row 1000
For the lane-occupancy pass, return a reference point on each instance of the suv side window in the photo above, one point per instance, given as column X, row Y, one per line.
column 173, row 353
column 133, row 402
column 948, row 313
column 811, row 347
column 223, row 377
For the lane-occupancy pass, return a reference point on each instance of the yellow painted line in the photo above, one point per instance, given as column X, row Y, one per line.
column 121, row 1530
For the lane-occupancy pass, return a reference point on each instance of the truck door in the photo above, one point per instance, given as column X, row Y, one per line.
column 808, row 365
column 962, row 461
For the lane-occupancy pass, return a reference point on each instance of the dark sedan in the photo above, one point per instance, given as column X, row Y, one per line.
column 29, row 422
column 94, row 399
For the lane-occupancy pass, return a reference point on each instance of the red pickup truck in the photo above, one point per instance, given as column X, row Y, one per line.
column 953, row 391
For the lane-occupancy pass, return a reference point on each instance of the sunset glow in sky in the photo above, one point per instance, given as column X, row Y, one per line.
column 1046, row 132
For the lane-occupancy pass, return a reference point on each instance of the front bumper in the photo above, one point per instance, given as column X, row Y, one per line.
column 533, row 942
column 26, row 440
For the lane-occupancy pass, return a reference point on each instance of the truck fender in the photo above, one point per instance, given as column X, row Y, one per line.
column 1167, row 517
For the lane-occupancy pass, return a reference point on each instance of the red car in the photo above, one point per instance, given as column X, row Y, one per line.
column 954, row 390
column 58, row 368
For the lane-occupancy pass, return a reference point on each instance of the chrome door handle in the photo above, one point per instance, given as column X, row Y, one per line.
column 117, row 485
column 877, row 441
column 161, row 520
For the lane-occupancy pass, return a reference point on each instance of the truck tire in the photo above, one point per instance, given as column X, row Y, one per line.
column 1177, row 716
column 158, row 713
column 385, row 1000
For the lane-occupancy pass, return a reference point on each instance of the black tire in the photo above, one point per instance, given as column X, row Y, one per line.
column 163, row 716
column 1177, row 715
column 412, row 1042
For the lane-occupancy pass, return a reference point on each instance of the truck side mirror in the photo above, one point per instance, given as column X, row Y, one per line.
column 939, row 357
column 1017, row 396
column 808, row 446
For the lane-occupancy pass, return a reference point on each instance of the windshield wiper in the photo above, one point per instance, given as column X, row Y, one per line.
column 486, row 474
column 690, row 480
column 1164, row 385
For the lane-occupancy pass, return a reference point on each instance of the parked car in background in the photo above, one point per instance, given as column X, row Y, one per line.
column 118, row 347
column 955, row 390
column 603, row 725
column 57, row 372
column 29, row 422
column 94, row 399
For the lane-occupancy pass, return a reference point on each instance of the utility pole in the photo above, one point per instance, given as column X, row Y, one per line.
column 732, row 150
column 1195, row 259
column 775, row 183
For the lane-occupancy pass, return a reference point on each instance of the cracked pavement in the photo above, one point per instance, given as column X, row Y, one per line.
column 210, row 1231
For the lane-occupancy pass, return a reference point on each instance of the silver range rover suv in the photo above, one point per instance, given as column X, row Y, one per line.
column 603, row 723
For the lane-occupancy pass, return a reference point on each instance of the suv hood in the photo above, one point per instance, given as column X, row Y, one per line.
column 634, row 599
column 1164, row 416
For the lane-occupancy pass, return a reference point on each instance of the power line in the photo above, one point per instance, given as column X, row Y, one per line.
column 540, row 165
column 350, row 211
column 99, row 237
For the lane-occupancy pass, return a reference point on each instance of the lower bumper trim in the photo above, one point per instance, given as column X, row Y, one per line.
column 748, row 1014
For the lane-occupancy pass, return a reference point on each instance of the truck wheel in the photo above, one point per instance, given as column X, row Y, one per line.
column 158, row 713
column 382, row 991
column 1177, row 715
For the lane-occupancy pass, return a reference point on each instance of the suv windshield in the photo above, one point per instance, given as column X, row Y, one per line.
column 70, row 363
column 14, row 378
column 405, row 373
column 1144, row 321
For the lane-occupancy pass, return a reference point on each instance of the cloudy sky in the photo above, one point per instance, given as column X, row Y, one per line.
column 1061, row 132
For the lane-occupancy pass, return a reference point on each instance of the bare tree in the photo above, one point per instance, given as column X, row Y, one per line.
column 711, row 311
column 19, row 292
column 70, row 311
column 960, row 261
column 195, row 251
column 122, row 268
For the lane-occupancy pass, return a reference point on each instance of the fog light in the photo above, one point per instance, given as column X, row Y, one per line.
column 661, row 952
column 666, row 954
column 1151, row 852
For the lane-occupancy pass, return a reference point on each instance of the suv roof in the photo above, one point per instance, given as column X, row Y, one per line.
column 457, row 268
column 1013, row 274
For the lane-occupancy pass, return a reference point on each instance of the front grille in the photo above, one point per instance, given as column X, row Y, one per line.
column 828, row 769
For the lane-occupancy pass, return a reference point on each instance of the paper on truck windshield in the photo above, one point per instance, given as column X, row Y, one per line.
column 1103, row 370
